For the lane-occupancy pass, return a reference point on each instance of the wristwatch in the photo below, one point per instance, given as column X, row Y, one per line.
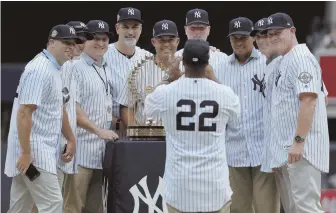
column 299, row 139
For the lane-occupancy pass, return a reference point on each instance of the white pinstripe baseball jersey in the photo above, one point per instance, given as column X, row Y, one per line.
column 40, row 84
column 216, row 58
column 92, row 90
column 299, row 72
column 119, row 69
column 146, row 79
column 271, row 72
column 245, row 141
column 195, row 113
column 69, row 82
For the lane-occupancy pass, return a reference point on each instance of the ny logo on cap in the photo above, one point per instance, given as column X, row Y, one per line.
column 197, row 14
column 82, row 24
column 130, row 11
column 270, row 20
column 72, row 30
column 236, row 24
column 260, row 23
column 101, row 25
column 54, row 33
column 165, row 26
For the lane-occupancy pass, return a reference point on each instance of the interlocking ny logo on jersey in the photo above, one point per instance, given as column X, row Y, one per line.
column 261, row 83
column 237, row 24
column 165, row 26
column 130, row 12
column 101, row 25
column 197, row 14
column 150, row 201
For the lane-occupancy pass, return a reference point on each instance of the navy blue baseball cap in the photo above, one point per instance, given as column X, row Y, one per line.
column 129, row 13
column 196, row 52
column 64, row 32
column 260, row 26
column 197, row 16
column 81, row 29
column 240, row 26
column 279, row 21
column 165, row 28
column 99, row 26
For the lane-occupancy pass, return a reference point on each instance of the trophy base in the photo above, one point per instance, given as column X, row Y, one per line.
column 146, row 133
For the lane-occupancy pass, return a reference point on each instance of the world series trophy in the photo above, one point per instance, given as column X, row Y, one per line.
column 144, row 77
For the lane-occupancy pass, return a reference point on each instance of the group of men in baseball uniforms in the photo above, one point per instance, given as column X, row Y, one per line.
column 267, row 135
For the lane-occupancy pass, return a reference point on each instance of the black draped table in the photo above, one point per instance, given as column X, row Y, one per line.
column 134, row 171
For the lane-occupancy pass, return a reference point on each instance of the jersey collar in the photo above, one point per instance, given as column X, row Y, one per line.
column 51, row 58
column 254, row 54
column 90, row 60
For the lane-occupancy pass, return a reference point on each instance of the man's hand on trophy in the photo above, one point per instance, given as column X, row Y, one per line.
column 107, row 134
column 174, row 69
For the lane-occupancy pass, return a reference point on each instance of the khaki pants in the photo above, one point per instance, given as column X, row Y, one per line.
column 225, row 209
column 44, row 191
column 253, row 191
column 60, row 176
column 300, row 188
column 83, row 191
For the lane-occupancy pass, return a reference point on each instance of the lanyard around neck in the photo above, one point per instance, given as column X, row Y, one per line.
column 105, row 82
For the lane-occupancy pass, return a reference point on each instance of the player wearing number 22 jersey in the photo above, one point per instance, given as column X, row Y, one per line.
column 195, row 112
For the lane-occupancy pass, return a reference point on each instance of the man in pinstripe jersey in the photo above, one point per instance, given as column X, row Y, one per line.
column 94, row 111
column 273, row 60
column 69, row 84
column 165, row 40
column 122, row 56
column 69, row 88
column 301, row 142
column 198, row 27
column 244, row 71
column 195, row 112
column 36, row 122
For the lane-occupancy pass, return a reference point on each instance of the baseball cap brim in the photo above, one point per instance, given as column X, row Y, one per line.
column 109, row 34
column 240, row 33
column 76, row 39
column 130, row 19
column 275, row 28
column 198, row 22
column 165, row 34
column 254, row 32
column 86, row 34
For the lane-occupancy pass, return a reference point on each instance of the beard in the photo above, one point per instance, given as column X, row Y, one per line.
column 130, row 42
